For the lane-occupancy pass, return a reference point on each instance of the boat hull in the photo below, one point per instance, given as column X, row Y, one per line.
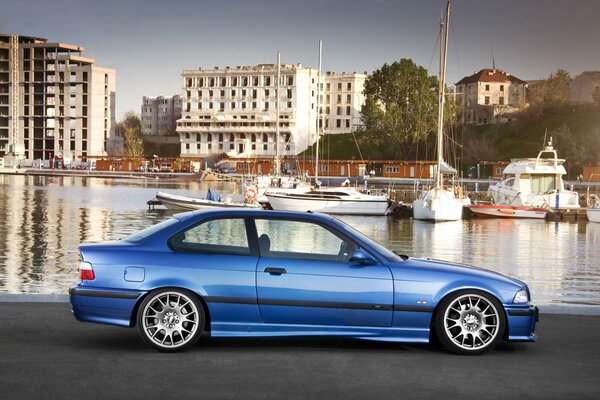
column 501, row 211
column 438, row 205
column 193, row 203
column 289, row 202
column 593, row 214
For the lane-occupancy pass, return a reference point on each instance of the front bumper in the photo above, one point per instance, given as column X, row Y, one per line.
column 522, row 323
column 104, row 305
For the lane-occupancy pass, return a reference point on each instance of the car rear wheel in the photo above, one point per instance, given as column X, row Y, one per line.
column 470, row 322
column 170, row 320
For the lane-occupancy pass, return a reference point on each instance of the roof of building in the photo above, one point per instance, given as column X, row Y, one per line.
column 490, row 75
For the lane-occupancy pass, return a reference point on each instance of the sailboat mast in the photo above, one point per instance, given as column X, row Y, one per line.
column 318, row 111
column 277, row 158
column 443, row 58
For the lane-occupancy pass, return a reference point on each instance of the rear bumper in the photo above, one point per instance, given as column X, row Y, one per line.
column 522, row 323
column 104, row 305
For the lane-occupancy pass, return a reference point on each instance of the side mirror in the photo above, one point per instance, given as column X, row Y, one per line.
column 361, row 256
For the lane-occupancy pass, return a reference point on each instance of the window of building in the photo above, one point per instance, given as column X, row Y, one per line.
column 254, row 105
column 348, row 99
column 220, row 137
column 289, row 93
column 265, row 138
column 222, row 92
column 265, row 147
column 210, row 146
column 209, row 137
column 243, row 104
column 347, row 123
column 349, row 86
column 290, row 80
column 502, row 88
column 255, row 81
column 210, row 105
column 201, row 82
column 222, row 106
column 487, row 99
column 268, row 81
column 254, row 93
column 223, row 82
column 328, row 86
column 187, row 146
column 266, row 105
column 340, row 86
column 212, row 82
column 348, row 110
column 392, row 169
column 339, row 123
column 220, row 146
column 487, row 88
column 232, row 146
column 233, row 105
column 339, row 111
column 197, row 146
column 245, row 81
column 289, row 104
column 501, row 101
column 339, row 99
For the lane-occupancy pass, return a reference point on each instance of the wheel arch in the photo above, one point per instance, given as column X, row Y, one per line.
column 451, row 292
column 134, row 312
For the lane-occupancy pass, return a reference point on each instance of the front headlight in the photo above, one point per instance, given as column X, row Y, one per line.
column 521, row 297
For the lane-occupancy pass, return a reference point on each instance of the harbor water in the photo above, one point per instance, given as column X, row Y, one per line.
column 43, row 219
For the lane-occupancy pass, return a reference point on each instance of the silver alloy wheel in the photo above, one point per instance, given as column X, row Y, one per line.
column 471, row 322
column 170, row 319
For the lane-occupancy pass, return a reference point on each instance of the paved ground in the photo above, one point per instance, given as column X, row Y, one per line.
column 46, row 354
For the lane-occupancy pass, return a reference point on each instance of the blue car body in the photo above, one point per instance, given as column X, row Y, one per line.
column 390, row 298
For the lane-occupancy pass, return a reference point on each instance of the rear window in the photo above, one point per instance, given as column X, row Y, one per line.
column 145, row 233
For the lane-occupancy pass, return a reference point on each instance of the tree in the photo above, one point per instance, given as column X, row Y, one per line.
column 550, row 93
column 400, row 108
column 596, row 95
column 130, row 129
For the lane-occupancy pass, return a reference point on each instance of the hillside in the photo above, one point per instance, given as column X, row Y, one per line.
column 575, row 132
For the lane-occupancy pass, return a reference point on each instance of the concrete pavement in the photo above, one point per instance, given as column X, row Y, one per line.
column 46, row 354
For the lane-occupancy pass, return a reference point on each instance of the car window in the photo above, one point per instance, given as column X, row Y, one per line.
column 224, row 236
column 145, row 233
column 301, row 240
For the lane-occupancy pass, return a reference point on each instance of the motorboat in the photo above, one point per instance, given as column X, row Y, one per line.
column 330, row 200
column 593, row 211
column 212, row 200
column 505, row 211
column 535, row 182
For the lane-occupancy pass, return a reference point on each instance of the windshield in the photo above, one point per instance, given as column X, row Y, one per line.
column 143, row 234
column 387, row 254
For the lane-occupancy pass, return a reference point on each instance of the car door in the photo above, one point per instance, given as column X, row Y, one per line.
column 305, row 276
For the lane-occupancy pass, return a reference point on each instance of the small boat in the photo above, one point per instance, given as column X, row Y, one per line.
column 535, row 182
column 593, row 211
column 505, row 211
column 212, row 200
column 331, row 200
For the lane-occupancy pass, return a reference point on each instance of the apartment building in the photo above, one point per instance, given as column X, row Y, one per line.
column 53, row 101
column 160, row 115
column 489, row 96
column 234, row 110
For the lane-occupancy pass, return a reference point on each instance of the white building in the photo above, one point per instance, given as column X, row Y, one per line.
column 54, row 101
column 488, row 96
column 234, row 110
column 160, row 115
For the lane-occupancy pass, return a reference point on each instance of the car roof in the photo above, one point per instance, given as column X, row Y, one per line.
column 241, row 212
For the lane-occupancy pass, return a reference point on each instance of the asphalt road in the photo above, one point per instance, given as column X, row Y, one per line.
column 46, row 354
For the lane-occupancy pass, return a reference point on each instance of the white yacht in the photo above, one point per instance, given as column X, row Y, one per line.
column 593, row 211
column 441, row 203
column 330, row 200
column 535, row 182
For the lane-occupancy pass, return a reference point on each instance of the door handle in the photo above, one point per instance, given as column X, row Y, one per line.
column 275, row 271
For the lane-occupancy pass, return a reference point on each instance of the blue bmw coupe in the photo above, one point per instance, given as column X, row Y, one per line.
column 234, row 273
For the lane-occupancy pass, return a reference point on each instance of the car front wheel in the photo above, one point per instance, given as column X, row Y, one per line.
column 470, row 322
column 170, row 320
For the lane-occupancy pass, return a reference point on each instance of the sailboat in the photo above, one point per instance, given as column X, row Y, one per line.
column 440, row 203
column 331, row 200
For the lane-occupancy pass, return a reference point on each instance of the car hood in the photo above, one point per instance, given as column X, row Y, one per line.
column 406, row 270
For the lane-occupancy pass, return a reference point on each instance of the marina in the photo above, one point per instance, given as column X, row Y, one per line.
column 45, row 218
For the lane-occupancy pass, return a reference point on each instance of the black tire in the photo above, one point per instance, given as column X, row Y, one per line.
column 470, row 322
column 170, row 319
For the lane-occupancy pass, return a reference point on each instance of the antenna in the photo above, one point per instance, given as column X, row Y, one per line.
column 493, row 61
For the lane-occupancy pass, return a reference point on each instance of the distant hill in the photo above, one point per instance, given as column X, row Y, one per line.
column 575, row 131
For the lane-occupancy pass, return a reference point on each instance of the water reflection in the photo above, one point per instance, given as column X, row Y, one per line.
column 43, row 220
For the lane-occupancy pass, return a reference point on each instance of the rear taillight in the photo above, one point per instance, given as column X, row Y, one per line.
column 86, row 271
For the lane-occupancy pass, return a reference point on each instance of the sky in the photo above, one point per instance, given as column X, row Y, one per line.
column 150, row 42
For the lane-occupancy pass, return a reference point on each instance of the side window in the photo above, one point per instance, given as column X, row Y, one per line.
column 301, row 240
column 219, row 236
